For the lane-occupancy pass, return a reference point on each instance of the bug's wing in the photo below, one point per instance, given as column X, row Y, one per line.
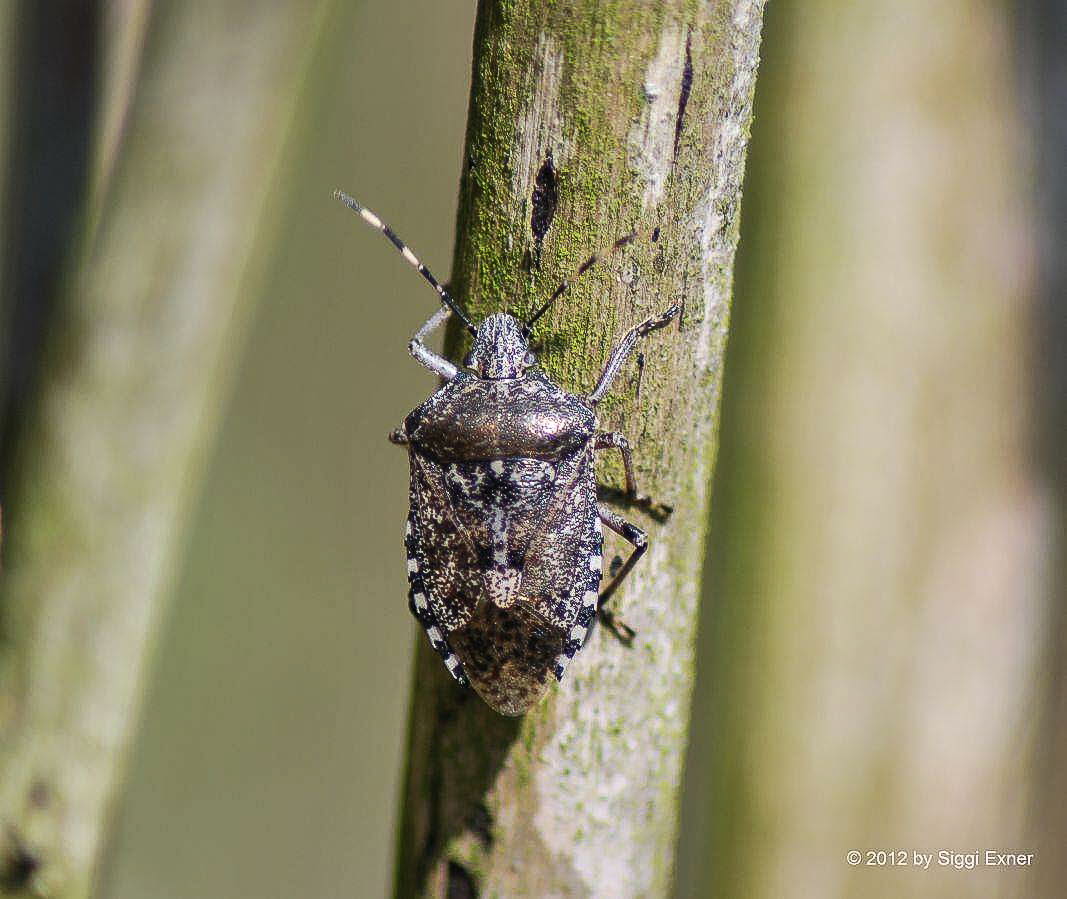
column 447, row 558
column 443, row 572
column 561, row 578
column 507, row 648
column 508, row 654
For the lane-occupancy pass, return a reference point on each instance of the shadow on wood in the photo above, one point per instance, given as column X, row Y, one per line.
column 451, row 729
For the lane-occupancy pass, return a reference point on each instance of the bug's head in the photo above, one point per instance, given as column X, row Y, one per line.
column 500, row 349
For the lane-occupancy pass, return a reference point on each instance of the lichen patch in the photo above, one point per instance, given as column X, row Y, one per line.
column 651, row 140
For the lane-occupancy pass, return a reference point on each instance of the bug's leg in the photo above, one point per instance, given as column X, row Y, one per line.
column 420, row 608
column 615, row 440
column 423, row 354
column 620, row 354
column 639, row 539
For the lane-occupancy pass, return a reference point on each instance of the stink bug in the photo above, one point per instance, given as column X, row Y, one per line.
column 504, row 531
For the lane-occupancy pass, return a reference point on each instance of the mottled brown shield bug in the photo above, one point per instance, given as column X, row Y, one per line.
column 504, row 533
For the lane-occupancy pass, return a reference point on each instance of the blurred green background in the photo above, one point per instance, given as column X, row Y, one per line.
column 883, row 633
column 271, row 753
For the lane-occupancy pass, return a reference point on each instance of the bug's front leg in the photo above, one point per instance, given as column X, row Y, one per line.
column 639, row 540
column 626, row 346
column 424, row 355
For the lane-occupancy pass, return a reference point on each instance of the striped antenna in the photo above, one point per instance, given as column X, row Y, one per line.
column 371, row 219
column 623, row 241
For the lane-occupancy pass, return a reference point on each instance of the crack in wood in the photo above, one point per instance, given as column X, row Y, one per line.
column 545, row 198
column 687, row 86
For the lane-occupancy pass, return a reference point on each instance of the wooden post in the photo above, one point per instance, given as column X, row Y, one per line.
column 587, row 121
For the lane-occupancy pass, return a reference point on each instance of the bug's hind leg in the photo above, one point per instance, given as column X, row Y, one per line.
column 420, row 608
column 639, row 540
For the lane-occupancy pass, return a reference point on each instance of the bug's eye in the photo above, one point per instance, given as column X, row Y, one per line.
column 529, row 359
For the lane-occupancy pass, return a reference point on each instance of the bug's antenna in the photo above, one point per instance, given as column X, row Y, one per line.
column 371, row 219
column 623, row 241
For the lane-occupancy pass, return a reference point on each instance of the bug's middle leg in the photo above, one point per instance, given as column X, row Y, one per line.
column 639, row 540
column 615, row 440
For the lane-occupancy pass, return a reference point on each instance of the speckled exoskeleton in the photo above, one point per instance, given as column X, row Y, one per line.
column 504, row 533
